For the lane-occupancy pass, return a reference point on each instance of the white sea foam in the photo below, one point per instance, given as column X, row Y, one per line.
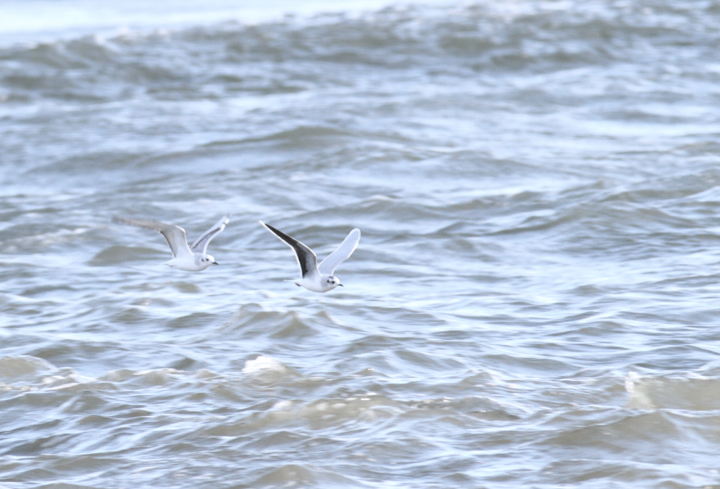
column 263, row 364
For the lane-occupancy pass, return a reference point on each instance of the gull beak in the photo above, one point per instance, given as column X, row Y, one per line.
column 341, row 285
column 215, row 263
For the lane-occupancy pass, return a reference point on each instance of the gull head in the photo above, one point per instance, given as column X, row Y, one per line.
column 331, row 281
column 204, row 260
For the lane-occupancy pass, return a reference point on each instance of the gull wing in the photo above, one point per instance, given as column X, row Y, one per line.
column 346, row 248
column 174, row 235
column 305, row 256
column 200, row 245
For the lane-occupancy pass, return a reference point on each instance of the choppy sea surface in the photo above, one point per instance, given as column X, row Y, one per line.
column 534, row 301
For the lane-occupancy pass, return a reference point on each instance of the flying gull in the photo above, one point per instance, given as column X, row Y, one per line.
column 189, row 258
column 318, row 278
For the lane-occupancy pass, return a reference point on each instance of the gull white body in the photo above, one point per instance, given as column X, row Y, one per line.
column 197, row 262
column 317, row 282
column 318, row 278
column 189, row 258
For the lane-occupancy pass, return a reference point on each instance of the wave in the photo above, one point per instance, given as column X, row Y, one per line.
column 476, row 38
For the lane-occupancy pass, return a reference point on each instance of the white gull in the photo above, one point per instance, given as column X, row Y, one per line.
column 189, row 258
column 318, row 278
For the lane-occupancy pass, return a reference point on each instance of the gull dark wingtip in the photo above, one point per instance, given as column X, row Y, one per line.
column 271, row 228
column 305, row 256
column 288, row 239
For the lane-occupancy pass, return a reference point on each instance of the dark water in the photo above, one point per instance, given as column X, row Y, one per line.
column 534, row 302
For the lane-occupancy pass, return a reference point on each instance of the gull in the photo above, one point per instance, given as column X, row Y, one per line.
column 318, row 278
column 189, row 258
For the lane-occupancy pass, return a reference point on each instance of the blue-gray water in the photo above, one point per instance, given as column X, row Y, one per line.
column 534, row 302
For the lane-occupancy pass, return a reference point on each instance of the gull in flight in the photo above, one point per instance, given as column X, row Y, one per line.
column 189, row 258
column 318, row 278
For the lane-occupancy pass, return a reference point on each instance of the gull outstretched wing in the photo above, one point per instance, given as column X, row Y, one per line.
column 174, row 235
column 346, row 248
column 305, row 256
column 200, row 245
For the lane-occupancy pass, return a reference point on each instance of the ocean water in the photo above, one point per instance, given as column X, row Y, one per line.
column 534, row 301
